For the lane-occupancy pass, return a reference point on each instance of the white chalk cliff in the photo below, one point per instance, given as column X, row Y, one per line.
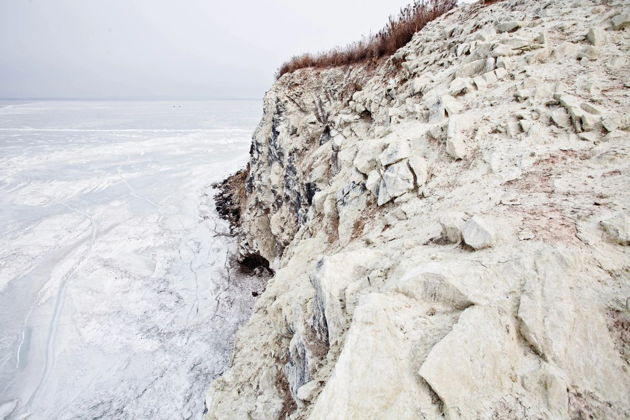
column 449, row 231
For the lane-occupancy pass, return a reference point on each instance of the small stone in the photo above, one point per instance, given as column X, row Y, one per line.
column 500, row 72
column 437, row 131
column 526, row 235
column 490, row 77
column 589, row 121
column 617, row 228
column 526, row 125
column 596, row 36
column 397, row 180
column 508, row 26
column 621, row 21
column 480, row 82
column 456, row 147
column 610, row 123
column 306, row 392
column 460, row 86
column 452, row 225
column 478, row 233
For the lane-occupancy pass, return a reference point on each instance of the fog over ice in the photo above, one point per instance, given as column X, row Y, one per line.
column 168, row 49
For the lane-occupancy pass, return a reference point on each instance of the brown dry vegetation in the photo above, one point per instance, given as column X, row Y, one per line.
column 397, row 33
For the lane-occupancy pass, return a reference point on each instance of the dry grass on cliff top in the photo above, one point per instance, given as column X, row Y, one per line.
column 397, row 33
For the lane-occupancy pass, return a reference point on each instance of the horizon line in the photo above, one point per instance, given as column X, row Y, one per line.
column 129, row 98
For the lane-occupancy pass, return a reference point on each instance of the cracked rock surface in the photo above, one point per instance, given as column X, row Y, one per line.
column 449, row 231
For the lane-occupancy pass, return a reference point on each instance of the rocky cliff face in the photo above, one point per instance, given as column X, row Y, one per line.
column 449, row 230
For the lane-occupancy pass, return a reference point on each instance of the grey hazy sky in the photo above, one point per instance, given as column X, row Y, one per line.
column 168, row 48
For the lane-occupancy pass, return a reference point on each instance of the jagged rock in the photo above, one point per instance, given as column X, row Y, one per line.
column 588, row 136
column 397, row 180
column 547, row 304
column 455, row 145
column 582, row 120
column 373, row 182
column 350, row 201
column 478, row 233
column 366, row 355
column 331, row 276
column 483, row 346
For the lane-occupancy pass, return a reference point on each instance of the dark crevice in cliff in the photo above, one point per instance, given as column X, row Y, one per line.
column 254, row 263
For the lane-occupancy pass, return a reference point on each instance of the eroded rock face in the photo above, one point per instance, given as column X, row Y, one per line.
column 448, row 231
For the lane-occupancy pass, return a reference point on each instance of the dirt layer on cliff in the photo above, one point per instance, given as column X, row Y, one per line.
column 228, row 202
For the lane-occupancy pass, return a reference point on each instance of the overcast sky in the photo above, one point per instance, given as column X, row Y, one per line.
column 168, row 48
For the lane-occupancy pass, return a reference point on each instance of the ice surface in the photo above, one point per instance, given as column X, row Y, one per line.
column 115, row 300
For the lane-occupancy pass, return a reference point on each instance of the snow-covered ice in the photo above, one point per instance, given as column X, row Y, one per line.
column 115, row 299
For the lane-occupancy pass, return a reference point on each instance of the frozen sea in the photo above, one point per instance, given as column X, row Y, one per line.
column 116, row 300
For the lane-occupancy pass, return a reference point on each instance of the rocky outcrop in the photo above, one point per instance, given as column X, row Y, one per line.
column 448, row 230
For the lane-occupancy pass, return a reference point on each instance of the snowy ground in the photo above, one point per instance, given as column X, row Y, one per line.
column 115, row 300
